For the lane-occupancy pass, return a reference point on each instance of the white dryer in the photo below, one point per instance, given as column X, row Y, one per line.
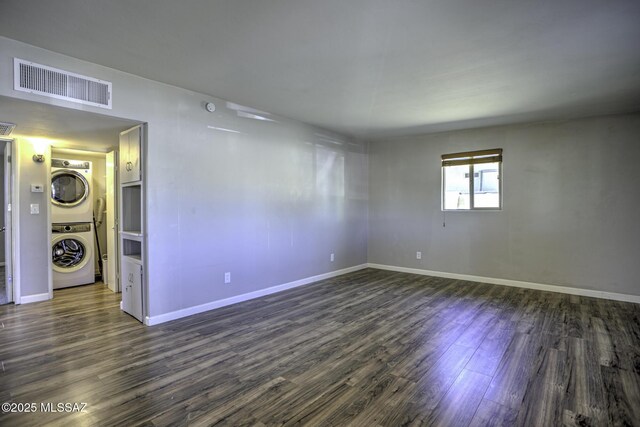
column 71, row 199
column 72, row 254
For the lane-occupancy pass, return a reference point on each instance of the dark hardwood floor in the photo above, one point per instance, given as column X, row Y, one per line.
column 371, row 348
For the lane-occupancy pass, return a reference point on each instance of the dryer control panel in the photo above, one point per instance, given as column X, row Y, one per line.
column 70, row 164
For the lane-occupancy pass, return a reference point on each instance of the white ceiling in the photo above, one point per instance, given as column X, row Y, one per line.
column 63, row 127
column 368, row 68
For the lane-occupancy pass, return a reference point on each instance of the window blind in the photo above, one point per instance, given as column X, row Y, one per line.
column 472, row 157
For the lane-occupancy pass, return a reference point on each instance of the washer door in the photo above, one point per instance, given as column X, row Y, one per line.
column 68, row 188
column 69, row 253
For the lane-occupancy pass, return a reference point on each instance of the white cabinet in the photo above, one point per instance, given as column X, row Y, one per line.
column 132, row 222
column 131, row 275
column 130, row 154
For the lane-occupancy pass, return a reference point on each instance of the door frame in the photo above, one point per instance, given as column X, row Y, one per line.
column 115, row 208
column 48, row 209
column 12, row 282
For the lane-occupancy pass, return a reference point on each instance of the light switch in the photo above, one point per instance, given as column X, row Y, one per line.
column 37, row 188
column 35, row 209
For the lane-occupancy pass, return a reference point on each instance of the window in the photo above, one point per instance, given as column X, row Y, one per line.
column 472, row 180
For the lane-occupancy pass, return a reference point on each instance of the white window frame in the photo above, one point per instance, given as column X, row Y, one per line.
column 471, row 158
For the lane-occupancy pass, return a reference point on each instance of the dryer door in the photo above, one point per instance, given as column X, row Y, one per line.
column 69, row 253
column 68, row 188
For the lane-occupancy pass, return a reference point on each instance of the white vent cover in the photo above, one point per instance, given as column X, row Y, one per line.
column 6, row 128
column 59, row 84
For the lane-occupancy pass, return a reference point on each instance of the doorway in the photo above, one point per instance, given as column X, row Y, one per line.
column 52, row 129
column 83, row 218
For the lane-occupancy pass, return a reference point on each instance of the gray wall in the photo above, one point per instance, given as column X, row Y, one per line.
column 571, row 203
column 268, row 201
column 2, row 146
column 35, row 249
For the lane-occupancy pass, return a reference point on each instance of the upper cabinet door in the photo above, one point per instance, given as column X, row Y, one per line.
column 130, row 155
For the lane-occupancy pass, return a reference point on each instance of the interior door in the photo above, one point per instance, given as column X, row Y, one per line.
column 7, row 230
column 112, row 229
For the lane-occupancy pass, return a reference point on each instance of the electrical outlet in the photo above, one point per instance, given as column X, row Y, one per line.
column 35, row 209
column 333, row 257
column 418, row 255
column 227, row 277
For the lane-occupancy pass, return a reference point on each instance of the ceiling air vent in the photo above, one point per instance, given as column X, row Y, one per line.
column 59, row 84
column 6, row 128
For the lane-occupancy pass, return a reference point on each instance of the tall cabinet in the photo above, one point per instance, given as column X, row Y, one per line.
column 131, row 224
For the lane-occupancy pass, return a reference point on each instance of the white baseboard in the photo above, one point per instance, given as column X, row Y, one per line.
column 34, row 298
column 514, row 283
column 166, row 317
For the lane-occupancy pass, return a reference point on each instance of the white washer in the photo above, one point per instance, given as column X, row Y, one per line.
column 72, row 254
column 71, row 199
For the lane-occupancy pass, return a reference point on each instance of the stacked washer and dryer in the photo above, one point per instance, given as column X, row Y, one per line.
column 72, row 246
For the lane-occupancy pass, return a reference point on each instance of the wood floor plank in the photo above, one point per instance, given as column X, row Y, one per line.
column 585, row 394
column 622, row 392
column 460, row 403
column 369, row 348
column 509, row 384
column 492, row 414
column 491, row 350
column 542, row 402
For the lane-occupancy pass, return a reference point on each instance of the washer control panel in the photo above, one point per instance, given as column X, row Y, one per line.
column 77, row 227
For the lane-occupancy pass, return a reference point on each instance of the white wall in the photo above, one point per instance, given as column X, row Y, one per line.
column 268, row 202
column 571, row 203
